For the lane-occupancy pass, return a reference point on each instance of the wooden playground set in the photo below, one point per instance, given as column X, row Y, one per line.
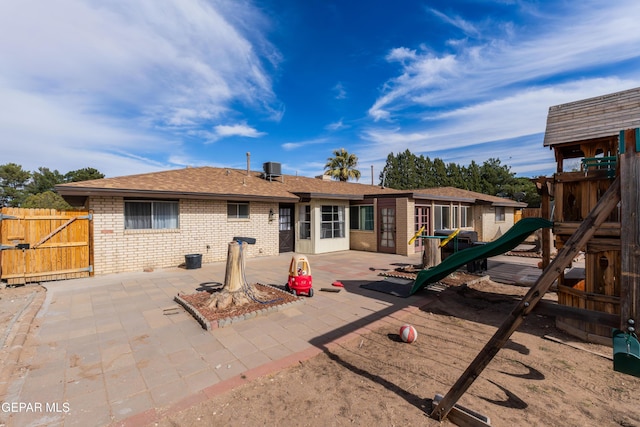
column 594, row 208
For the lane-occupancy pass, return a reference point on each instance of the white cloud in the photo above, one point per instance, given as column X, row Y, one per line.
column 401, row 54
column 336, row 126
column 55, row 132
column 466, row 26
column 405, row 90
column 295, row 145
column 109, row 76
column 494, row 67
column 471, row 127
column 500, row 88
column 224, row 131
column 340, row 91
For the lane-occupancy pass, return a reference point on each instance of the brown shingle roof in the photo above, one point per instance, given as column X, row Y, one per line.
column 201, row 182
column 220, row 183
column 458, row 194
column 599, row 117
column 317, row 188
column 233, row 184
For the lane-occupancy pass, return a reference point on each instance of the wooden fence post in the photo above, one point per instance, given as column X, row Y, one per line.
column 629, row 228
column 546, row 242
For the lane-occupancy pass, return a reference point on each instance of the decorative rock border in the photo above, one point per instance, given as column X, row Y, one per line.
column 221, row 323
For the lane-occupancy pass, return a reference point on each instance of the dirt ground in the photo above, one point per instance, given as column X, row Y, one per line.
column 379, row 380
column 18, row 305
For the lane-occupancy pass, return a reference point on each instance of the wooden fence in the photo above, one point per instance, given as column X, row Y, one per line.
column 532, row 212
column 39, row 245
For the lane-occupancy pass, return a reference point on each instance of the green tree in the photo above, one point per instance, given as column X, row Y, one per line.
column 424, row 172
column 400, row 172
column 456, row 176
column 405, row 171
column 46, row 200
column 342, row 166
column 44, row 180
column 12, row 183
column 84, row 174
column 439, row 172
column 473, row 177
column 495, row 177
column 523, row 190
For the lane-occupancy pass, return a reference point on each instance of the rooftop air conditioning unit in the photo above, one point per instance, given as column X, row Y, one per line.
column 272, row 169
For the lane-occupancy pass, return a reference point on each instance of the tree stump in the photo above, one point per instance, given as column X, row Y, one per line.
column 235, row 291
column 431, row 255
column 234, row 274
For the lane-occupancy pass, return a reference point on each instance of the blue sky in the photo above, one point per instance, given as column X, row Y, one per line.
column 134, row 86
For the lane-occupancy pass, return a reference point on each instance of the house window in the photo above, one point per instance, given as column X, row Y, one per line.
column 332, row 223
column 465, row 219
column 500, row 217
column 284, row 219
column 237, row 210
column 421, row 220
column 151, row 214
column 305, row 221
column 461, row 217
column 442, row 217
column 455, row 221
column 361, row 218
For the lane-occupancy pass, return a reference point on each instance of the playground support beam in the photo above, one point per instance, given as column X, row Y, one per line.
column 629, row 229
column 571, row 248
column 546, row 242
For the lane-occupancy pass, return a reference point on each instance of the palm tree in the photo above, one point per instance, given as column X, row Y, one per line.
column 342, row 166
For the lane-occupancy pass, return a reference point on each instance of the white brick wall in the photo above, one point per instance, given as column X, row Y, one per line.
column 204, row 229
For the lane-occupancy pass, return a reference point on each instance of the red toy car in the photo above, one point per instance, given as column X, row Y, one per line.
column 300, row 282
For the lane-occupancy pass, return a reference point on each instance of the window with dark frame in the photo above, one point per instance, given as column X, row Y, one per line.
column 237, row 210
column 151, row 214
column 465, row 219
column 332, row 222
column 361, row 217
column 500, row 214
column 305, row 221
column 464, row 216
column 442, row 217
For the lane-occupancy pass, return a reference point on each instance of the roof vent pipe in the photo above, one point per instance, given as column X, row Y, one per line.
column 248, row 163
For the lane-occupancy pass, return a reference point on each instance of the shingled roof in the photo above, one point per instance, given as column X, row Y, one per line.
column 307, row 188
column 599, row 117
column 460, row 195
column 234, row 184
column 200, row 183
column 219, row 183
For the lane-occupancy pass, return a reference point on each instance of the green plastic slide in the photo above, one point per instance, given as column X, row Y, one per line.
column 509, row 240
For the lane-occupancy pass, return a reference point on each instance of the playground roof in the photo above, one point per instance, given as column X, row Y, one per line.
column 593, row 118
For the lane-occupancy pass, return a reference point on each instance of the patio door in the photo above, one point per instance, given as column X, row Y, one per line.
column 387, row 230
column 285, row 225
column 422, row 219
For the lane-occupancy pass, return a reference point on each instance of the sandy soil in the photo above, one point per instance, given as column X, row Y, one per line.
column 379, row 380
column 18, row 306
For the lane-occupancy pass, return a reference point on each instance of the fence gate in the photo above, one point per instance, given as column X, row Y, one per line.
column 38, row 245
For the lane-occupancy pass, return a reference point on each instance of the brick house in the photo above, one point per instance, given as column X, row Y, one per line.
column 155, row 219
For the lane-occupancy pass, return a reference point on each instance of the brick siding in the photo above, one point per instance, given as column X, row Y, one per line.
column 204, row 229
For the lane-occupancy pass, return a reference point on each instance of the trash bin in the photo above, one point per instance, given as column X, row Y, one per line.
column 193, row 261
